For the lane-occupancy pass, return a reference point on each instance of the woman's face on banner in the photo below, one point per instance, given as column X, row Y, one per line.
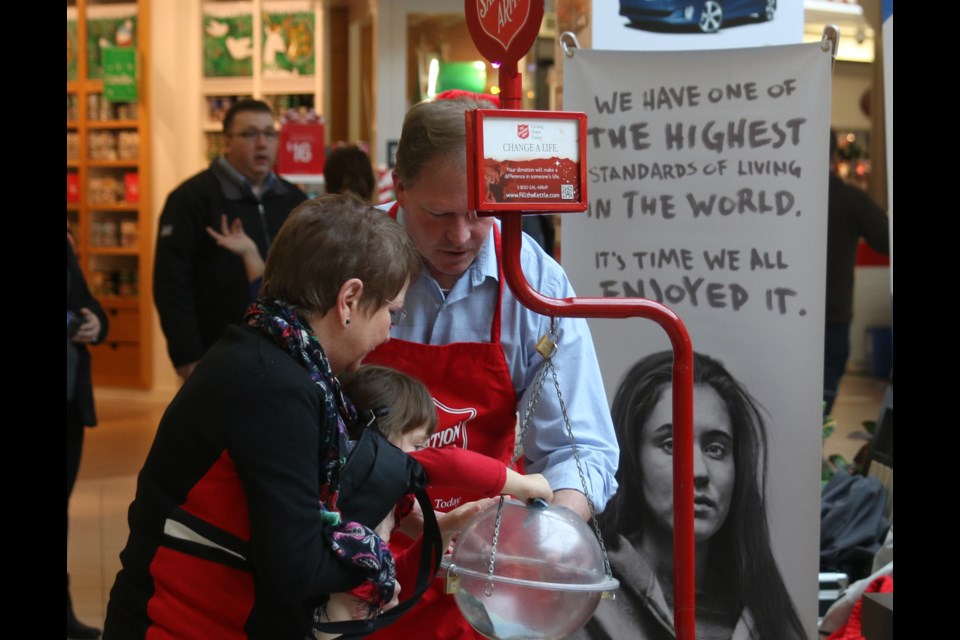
column 713, row 464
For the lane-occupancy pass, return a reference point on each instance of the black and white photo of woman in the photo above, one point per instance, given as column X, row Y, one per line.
column 740, row 593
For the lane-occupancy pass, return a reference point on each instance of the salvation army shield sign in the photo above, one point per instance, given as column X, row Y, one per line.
column 503, row 30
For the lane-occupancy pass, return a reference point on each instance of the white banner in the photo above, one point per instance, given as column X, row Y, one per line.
column 707, row 186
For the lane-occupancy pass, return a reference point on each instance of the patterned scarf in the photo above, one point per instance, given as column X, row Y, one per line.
column 353, row 543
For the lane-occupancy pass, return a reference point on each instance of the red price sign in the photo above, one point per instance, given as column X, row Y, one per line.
column 301, row 149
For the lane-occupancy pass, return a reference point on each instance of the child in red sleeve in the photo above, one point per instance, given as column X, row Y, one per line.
column 407, row 417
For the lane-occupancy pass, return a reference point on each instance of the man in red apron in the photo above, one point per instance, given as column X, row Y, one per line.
column 473, row 344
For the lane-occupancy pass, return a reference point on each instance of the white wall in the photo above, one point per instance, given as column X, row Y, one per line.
column 850, row 81
column 176, row 139
column 391, row 65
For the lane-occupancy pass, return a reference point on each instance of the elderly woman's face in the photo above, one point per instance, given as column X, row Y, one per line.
column 369, row 329
column 713, row 466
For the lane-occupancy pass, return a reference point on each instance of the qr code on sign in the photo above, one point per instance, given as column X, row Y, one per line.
column 566, row 191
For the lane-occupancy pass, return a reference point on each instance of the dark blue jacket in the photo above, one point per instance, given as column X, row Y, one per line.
column 200, row 288
column 78, row 297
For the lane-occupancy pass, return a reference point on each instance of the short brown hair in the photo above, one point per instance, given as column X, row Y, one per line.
column 431, row 130
column 348, row 168
column 408, row 400
column 331, row 239
column 256, row 106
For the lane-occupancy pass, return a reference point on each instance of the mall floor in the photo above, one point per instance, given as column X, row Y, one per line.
column 115, row 450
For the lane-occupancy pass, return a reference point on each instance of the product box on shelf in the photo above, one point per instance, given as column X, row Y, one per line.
column 73, row 187
column 73, row 47
column 227, row 39
column 129, row 233
column 108, row 25
column 73, row 146
column 288, row 39
column 131, row 186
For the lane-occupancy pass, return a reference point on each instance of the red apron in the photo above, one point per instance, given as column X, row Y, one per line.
column 476, row 406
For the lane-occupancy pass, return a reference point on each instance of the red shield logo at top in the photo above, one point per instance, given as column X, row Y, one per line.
column 523, row 131
column 503, row 19
column 503, row 30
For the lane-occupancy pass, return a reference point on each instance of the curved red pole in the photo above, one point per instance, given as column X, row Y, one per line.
column 683, row 540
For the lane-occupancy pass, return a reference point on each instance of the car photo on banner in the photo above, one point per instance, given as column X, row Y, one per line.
column 699, row 16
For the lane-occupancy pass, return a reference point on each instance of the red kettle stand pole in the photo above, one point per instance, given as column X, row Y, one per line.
column 503, row 33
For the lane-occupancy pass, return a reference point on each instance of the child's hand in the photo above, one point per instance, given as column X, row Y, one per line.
column 526, row 488
column 345, row 606
column 453, row 521
column 232, row 237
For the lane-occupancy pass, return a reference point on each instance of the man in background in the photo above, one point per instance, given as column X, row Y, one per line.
column 851, row 215
column 200, row 288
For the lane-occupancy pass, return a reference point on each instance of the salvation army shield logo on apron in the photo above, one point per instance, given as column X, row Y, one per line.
column 451, row 426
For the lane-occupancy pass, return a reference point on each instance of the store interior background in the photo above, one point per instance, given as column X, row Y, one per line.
column 372, row 72
column 372, row 58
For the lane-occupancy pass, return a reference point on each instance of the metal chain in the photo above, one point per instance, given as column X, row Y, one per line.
column 525, row 424
column 488, row 587
column 583, row 478
column 534, row 399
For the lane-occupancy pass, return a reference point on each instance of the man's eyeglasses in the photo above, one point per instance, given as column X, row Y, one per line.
column 251, row 135
column 397, row 314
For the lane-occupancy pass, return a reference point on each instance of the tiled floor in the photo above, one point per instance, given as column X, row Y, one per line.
column 113, row 453
column 115, row 450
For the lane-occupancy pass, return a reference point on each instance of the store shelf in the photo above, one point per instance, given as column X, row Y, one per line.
column 282, row 86
column 123, row 302
column 113, row 124
column 99, row 127
column 312, row 178
column 113, row 164
column 113, row 206
column 114, row 251
column 226, row 86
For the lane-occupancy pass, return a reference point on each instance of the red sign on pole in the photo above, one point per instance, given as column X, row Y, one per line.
column 523, row 160
column 503, row 30
column 301, row 149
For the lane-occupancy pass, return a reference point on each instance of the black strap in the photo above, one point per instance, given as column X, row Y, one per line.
column 431, row 553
